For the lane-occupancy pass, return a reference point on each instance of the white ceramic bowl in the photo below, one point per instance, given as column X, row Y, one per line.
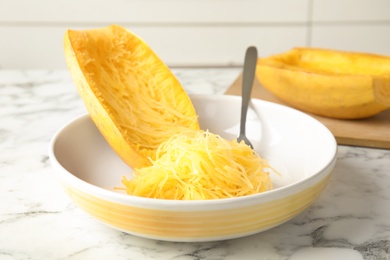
column 298, row 146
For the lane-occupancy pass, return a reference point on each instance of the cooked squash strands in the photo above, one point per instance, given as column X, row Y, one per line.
column 199, row 165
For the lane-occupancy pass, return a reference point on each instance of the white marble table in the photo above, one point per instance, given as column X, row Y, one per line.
column 350, row 220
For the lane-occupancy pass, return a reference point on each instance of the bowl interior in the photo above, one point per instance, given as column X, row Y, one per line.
column 295, row 144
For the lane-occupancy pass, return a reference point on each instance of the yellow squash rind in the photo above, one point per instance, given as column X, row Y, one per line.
column 382, row 89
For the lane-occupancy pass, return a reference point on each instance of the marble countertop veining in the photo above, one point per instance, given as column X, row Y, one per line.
column 350, row 220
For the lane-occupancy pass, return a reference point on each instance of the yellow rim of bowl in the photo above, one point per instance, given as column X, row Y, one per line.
column 196, row 224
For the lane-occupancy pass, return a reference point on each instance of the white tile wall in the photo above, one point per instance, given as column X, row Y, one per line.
column 351, row 10
column 219, row 45
column 154, row 11
column 356, row 25
column 371, row 38
column 194, row 32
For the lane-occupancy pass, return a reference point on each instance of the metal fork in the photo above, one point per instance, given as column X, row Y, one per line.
column 247, row 84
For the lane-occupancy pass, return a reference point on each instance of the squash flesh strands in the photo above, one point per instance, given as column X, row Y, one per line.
column 139, row 107
column 199, row 165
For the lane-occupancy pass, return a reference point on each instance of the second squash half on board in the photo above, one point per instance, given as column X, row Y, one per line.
column 336, row 84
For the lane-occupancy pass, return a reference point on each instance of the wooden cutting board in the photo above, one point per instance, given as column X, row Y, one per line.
column 371, row 132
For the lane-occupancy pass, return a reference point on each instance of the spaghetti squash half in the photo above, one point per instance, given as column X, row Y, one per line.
column 131, row 95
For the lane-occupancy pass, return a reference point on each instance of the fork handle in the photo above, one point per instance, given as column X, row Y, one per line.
column 247, row 83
